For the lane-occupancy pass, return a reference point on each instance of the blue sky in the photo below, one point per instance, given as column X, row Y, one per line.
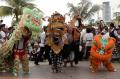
column 49, row 6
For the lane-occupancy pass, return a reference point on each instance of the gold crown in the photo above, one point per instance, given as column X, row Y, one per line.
column 56, row 17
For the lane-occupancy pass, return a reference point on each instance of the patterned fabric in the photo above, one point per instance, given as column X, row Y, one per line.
column 23, row 60
column 116, row 52
column 118, row 45
column 7, row 63
column 57, row 61
column 2, row 65
column 102, row 50
column 55, row 32
column 97, row 45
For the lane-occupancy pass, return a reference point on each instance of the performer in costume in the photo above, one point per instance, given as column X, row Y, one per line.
column 55, row 30
column 68, row 56
column 29, row 25
column 71, row 44
column 31, row 18
column 76, row 25
column 101, row 51
column 20, row 53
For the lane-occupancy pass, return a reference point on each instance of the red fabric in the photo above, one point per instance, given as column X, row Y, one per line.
column 19, row 53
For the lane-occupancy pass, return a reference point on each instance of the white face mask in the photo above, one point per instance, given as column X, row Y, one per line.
column 105, row 36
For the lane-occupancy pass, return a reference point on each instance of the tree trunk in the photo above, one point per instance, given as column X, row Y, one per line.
column 17, row 17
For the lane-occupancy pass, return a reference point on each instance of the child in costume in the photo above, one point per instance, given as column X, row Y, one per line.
column 101, row 51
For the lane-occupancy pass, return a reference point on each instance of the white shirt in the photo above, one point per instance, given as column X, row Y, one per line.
column 88, row 36
column 42, row 39
column 88, row 39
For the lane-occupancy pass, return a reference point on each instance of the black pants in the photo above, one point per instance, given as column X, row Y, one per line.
column 33, row 56
column 40, row 54
column 76, row 51
column 47, row 54
column 87, row 54
column 45, row 49
column 66, row 51
column 82, row 52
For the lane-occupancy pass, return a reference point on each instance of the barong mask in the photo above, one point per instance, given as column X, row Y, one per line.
column 57, row 27
column 31, row 19
column 56, row 30
column 57, row 36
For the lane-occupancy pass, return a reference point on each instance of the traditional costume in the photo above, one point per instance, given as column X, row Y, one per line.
column 101, row 52
column 20, row 54
column 54, row 37
column 31, row 20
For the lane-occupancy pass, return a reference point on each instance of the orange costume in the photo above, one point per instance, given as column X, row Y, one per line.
column 101, row 52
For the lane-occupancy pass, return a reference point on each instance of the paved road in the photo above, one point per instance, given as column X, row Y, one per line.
column 81, row 71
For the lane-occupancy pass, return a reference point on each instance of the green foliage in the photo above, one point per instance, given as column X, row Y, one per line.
column 117, row 16
column 85, row 9
column 5, row 10
column 15, row 7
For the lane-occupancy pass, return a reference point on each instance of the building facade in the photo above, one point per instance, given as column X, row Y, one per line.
column 106, row 12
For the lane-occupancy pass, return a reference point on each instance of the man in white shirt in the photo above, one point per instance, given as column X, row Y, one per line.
column 42, row 46
column 42, row 39
column 88, row 41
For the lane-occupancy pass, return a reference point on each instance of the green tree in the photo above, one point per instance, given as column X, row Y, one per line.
column 15, row 7
column 85, row 9
column 117, row 17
